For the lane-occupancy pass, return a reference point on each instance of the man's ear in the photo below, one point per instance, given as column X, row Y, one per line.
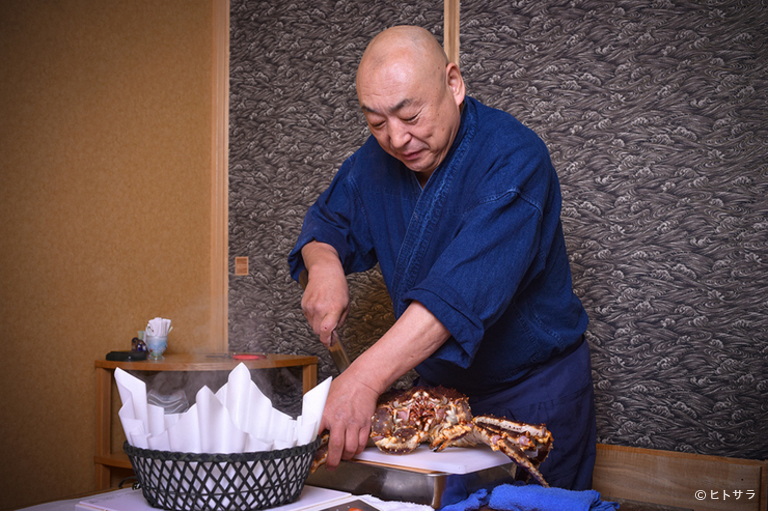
column 455, row 82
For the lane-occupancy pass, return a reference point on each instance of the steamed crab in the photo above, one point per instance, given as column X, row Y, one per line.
column 405, row 419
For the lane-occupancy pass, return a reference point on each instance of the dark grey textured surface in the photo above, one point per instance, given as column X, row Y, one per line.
column 656, row 115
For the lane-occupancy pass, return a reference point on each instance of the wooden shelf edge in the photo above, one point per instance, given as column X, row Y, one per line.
column 208, row 362
column 116, row 459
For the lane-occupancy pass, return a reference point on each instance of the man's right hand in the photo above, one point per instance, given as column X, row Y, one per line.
column 325, row 302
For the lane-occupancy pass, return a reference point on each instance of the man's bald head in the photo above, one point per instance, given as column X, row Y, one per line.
column 410, row 45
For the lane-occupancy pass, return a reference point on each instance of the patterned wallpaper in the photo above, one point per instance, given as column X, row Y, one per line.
column 656, row 115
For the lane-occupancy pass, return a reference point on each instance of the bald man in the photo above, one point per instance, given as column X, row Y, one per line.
column 460, row 206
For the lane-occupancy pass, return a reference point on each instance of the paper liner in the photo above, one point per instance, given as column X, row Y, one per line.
column 237, row 418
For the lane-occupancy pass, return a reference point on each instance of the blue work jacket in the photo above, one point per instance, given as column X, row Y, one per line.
column 480, row 245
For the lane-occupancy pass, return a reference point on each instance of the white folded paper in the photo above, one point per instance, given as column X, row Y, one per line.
column 158, row 327
column 237, row 418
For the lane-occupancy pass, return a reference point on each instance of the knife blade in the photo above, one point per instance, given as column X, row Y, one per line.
column 337, row 350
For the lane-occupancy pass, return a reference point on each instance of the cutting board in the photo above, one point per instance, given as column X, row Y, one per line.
column 453, row 460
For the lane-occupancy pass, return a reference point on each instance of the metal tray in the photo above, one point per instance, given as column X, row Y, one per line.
column 389, row 482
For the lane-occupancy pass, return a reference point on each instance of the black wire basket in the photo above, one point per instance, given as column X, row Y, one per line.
column 221, row 482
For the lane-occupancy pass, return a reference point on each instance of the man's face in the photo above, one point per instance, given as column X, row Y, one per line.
column 413, row 116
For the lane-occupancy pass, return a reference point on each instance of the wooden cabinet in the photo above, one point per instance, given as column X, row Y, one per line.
column 105, row 458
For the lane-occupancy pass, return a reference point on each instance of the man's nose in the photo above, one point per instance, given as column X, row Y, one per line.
column 399, row 134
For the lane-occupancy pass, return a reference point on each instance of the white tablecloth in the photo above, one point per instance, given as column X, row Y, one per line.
column 69, row 505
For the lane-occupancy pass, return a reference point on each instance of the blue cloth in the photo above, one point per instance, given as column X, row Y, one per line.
column 509, row 497
column 481, row 246
column 537, row 498
column 474, row 501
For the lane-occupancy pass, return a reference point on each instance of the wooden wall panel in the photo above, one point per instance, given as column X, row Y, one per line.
column 690, row 481
column 105, row 200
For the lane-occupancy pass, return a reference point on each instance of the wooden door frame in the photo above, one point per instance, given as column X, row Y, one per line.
column 220, row 179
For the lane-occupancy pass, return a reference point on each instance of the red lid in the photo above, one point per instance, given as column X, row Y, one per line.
column 248, row 356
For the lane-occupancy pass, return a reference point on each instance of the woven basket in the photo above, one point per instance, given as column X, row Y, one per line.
column 221, row 482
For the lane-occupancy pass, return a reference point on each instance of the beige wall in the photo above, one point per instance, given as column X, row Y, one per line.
column 105, row 213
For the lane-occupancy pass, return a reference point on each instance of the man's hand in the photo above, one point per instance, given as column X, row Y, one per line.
column 347, row 415
column 325, row 302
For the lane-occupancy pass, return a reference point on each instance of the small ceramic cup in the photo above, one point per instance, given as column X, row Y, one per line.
column 156, row 346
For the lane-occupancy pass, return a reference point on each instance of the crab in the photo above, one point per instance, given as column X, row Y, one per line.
column 405, row 419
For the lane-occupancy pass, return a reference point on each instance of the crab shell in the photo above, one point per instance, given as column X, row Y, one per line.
column 405, row 419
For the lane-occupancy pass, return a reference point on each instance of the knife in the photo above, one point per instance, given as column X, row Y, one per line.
column 337, row 351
